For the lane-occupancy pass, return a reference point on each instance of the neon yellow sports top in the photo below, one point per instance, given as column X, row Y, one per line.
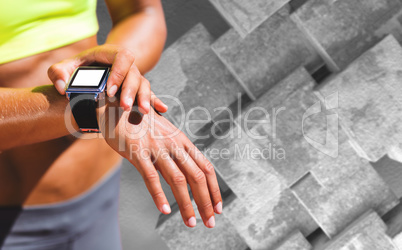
column 29, row 27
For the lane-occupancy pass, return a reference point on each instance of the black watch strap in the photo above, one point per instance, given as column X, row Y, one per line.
column 83, row 107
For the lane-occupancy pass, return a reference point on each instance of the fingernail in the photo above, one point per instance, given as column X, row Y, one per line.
column 60, row 85
column 164, row 105
column 192, row 222
column 147, row 106
column 129, row 103
column 112, row 91
column 218, row 208
column 166, row 209
column 211, row 222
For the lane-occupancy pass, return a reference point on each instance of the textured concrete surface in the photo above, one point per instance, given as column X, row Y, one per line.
column 262, row 197
column 267, row 55
column 245, row 16
column 286, row 132
column 190, row 72
column 295, row 241
column 333, row 205
column 278, row 217
column 275, row 97
column 368, row 232
column 179, row 237
column 250, row 176
column 342, row 30
column 370, row 99
column 287, row 125
column 334, row 208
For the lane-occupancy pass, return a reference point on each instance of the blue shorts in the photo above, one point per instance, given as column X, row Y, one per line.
column 87, row 222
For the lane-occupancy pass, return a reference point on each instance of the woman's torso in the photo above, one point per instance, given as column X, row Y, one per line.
column 56, row 170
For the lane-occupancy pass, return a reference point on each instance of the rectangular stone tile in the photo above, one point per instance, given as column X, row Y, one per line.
column 277, row 97
column 178, row 236
column 276, row 119
column 370, row 99
column 368, row 232
column 245, row 16
column 332, row 171
column 305, row 129
column 193, row 81
column 243, row 166
column 295, row 241
column 267, row 55
column 342, row 30
column 278, row 218
column 336, row 205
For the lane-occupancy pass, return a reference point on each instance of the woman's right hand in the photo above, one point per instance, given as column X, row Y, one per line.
column 124, row 74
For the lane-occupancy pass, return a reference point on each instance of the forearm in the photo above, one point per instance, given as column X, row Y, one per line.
column 144, row 33
column 32, row 115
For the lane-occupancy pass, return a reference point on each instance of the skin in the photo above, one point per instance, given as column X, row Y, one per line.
column 41, row 163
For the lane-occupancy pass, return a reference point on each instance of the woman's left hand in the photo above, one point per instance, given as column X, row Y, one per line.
column 124, row 73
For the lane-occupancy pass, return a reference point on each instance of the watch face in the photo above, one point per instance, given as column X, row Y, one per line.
column 89, row 77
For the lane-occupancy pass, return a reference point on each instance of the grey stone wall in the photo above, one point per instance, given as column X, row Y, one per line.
column 333, row 69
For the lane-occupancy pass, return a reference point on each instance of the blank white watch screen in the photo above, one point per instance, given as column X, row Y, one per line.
column 88, row 78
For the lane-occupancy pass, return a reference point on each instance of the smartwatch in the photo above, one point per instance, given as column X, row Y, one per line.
column 84, row 90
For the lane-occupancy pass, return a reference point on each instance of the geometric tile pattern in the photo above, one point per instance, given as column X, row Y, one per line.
column 245, row 16
column 344, row 29
column 268, row 54
column 297, row 158
column 370, row 99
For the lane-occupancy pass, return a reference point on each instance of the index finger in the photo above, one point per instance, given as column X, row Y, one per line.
column 122, row 63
